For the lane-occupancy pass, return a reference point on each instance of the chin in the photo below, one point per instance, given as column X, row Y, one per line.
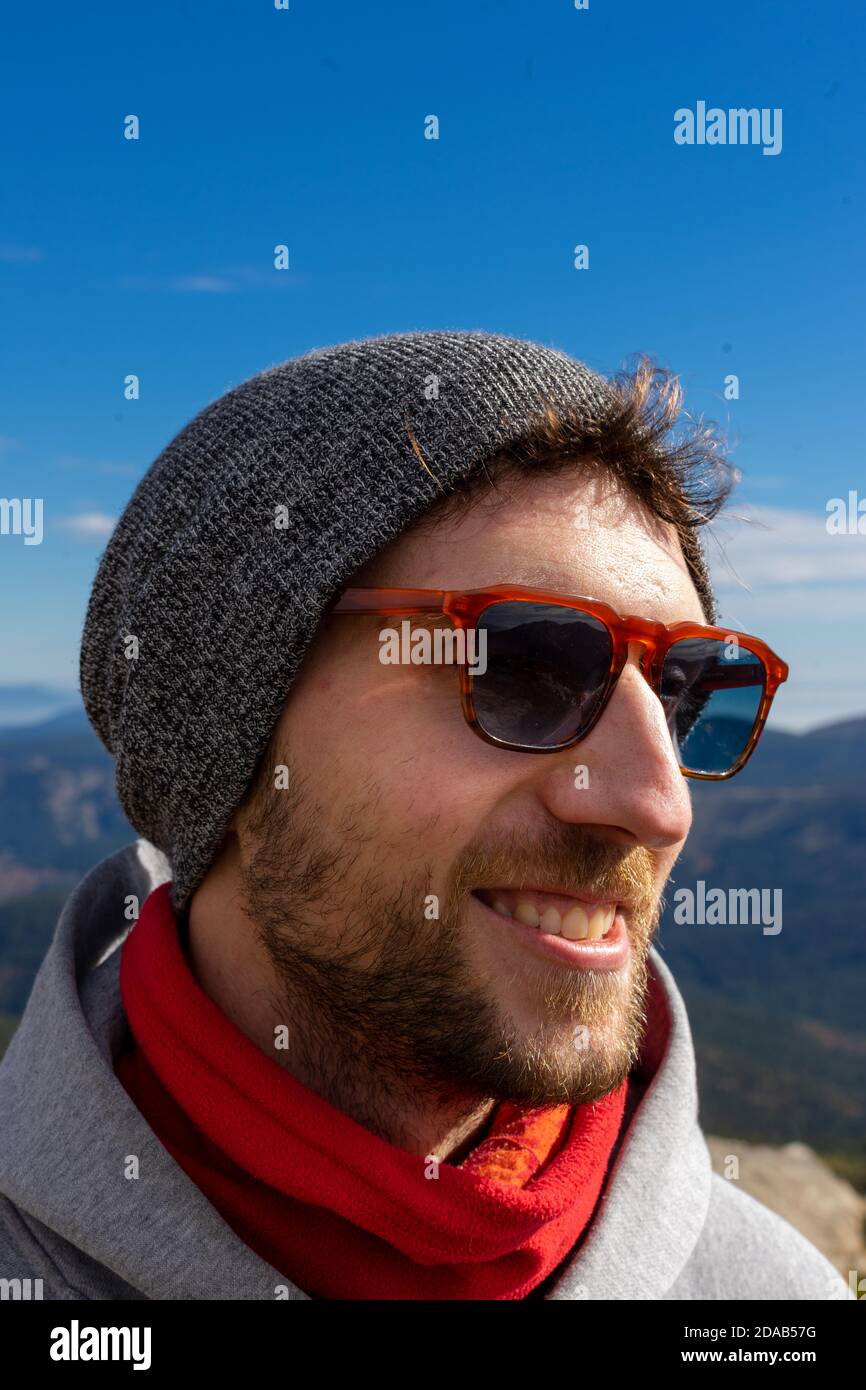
column 574, row 1053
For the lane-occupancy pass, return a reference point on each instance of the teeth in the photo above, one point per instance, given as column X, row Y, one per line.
column 526, row 913
column 551, row 922
column 575, row 924
column 599, row 922
column 579, row 923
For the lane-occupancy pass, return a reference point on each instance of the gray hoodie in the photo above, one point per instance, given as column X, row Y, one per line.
column 665, row 1226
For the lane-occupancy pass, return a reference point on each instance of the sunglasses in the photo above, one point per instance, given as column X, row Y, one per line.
column 552, row 663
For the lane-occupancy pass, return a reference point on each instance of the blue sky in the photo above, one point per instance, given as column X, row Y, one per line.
column 306, row 127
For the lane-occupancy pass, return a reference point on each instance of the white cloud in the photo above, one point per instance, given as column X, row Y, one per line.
column 224, row 282
column 782, row 576
column 202, row 284
column 88, row 526
column 772, row 548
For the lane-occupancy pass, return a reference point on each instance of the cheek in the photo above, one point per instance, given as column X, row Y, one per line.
column 393, row 738
column 665, row 861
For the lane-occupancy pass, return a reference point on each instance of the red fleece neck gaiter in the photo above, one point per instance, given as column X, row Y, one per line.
column 336, row 1210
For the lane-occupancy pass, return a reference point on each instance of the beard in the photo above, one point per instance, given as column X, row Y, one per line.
column 378, row 982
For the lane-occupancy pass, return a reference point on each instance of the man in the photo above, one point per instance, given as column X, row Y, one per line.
column 389, row 1023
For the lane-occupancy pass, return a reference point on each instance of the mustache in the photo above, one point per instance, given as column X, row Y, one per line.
column 570, row 859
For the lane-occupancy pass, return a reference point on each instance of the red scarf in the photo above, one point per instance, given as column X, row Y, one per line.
column 337, row 1210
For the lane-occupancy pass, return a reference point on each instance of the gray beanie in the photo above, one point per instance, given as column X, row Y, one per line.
column 223, row 602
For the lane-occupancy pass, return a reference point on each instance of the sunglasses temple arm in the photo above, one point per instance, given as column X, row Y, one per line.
column 389, row 601
column 729, row 681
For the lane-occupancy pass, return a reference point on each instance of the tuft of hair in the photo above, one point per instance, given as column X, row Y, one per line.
column 674, row 464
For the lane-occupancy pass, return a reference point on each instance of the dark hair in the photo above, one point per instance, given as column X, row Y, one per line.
column 674, row 465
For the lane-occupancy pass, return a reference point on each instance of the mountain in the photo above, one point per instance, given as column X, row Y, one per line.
column 58, row 810
column 32, row 704
column 778, row 1018
column 59, row 815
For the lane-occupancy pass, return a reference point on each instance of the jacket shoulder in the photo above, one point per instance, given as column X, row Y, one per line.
column 746, row 1251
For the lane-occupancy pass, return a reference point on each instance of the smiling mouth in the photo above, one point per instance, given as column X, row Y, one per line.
column 555, row 914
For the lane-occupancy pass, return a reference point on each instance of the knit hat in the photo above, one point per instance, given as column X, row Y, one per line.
column 245, row 528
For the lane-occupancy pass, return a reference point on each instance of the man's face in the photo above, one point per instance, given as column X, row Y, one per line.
column 372, row 877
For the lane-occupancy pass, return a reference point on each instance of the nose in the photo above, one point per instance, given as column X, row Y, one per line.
column 624, row 779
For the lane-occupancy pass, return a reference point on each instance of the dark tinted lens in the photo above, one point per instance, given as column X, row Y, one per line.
column 711, row 691
column 546, row 671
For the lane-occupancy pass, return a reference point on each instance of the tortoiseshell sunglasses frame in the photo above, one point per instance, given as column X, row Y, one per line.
column 465, row 607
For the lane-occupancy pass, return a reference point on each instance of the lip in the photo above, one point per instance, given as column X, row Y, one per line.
column 589, row 900
column 610, row 953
